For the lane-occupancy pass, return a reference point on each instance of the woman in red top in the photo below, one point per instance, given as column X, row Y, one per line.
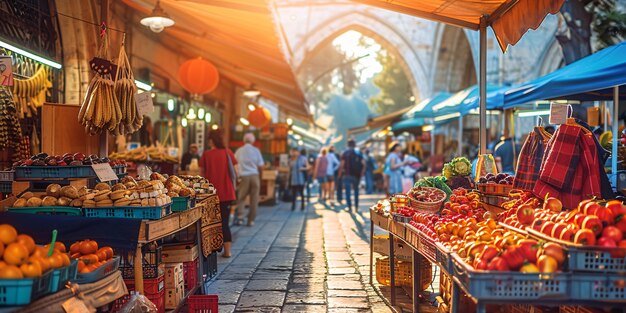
column 214, row 167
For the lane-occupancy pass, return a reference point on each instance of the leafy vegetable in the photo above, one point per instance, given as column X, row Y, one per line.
column 461, row 166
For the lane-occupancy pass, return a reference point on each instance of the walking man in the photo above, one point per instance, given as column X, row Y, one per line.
column 370, row 167
column 351, row 170
column 250, row 169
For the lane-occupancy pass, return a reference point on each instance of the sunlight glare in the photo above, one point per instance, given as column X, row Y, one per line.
column 354, row 44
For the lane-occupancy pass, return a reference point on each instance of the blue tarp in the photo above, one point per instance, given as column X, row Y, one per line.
column 464, row 101
column 425, row 107
column 590, row 78
column 408, row 124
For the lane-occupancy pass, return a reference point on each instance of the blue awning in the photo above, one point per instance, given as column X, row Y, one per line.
column 408, row 124
column 590, row 78
column 425, row 107
column 464, row 101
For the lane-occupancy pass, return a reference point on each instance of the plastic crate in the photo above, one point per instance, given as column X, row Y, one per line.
column 598, row 287
column 119, row 169
column 145, row 213
column 150, row 263
column 150, row 286
column 180, row 204
column 6, row 187
column 158, row 299
column 499, row 286
column 50, row 210
column 102, row 271
column 442, row 256
column 190, row 273
column 84, row 171
column 427, row 247
column 203, row 303
column 16, row 292
column 61, row 276
column 7, row 176
column 596, row 260
column 210, row 266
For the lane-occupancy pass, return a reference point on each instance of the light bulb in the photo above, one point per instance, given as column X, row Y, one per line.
column 183, row 122
column 157, row 26
column 200, row 113
column 300, row 142
column 192, row 114
column 244, row 121
column 289, row 121
column 170, row 105
column 207, row 117
column 214, row 127
column 251, row 107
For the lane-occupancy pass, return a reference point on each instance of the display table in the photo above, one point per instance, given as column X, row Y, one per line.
column 97, row 294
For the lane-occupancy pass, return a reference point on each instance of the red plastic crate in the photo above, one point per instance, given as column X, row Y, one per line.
column 202, row 303
column 150, row 286
column 158, row 300
column 154, row 290
column 190, row 273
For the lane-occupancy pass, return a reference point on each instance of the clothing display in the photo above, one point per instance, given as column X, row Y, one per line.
column 530, row 157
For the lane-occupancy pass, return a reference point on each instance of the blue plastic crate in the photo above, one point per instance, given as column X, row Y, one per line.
column 180, row 204
column 598, row 287
column 50, row 210
column 84, row 171
column 145, row 213
column 500, row 286
column 62, row 275
column 17, row 292
column 596, row 259
column 6, row 187
column 7, row 176
column 442, row 256
column 101, row 272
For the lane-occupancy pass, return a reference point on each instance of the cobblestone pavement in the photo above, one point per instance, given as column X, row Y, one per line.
column 311, row 261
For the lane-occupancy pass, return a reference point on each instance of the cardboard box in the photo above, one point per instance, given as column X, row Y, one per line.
column 173, row 274
column 173, row 296
column 179, row 253
column 402, row 251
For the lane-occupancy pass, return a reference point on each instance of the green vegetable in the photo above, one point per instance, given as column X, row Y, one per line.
column 460, row 166
column 447, row 171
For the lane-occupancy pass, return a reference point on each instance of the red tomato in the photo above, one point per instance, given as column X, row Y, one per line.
column 613, row 233
column 498, row 264
column 554, row 250
column 529, row 248
column 593, row 223
column 585, row 237
column 605, row 215
column 606, row 242
column 513, row 257
column 488, row 253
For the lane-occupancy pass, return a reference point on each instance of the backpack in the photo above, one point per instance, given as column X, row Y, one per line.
column 354, row 163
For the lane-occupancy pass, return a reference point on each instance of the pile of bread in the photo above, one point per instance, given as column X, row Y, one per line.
column 55, row 196
column 199, row 184
column 129, row 193
column 174, row 185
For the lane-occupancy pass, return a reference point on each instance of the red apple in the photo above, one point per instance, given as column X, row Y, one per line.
column 552, row 204
column 525, row 214
column 606, row 242
column 613, row 233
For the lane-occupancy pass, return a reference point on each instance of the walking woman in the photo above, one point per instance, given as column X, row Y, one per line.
column 321, row 174
column 298, row 165
column 393, row 168
column 218, row 165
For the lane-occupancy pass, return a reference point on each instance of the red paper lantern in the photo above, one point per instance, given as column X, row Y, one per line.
column 198, row 76
column 260, row 117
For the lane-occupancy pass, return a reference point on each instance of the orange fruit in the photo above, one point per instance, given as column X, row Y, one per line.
column 2, row 264
column 8, row 234
column 31, row 269
column 60, row 247
column 27, row 241
column 65, row 258
column 1, row 248
column 81, row 266
column 11, row 272
column 75, row 248
column 43, row 262
column 15, row 254
column 56, row 260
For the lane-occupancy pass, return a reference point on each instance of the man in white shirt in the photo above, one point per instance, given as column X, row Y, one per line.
column 250, row 163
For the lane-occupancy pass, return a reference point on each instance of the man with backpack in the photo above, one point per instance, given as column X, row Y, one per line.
column 351, row 170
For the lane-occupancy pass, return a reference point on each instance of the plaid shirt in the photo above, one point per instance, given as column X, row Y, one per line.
column 570, row 169
column 529, row 160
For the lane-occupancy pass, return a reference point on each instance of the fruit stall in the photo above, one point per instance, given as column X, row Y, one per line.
column 56, row 243
column 523, row 253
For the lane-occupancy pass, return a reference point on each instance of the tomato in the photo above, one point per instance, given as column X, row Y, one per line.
column 593, row 223
column 590, row 208
column 88, row 247
column 538, row 224
column 513, row 257
column 618, row 209
column 606, row 242
column 27, row 241
column 547, row 264
column 528, row 267
column 567, row 235
column 488, row 253
column 480, row 264
column 75, row 247
column 498, row 264
column 1, row 249
column 613, row 233
column 605, row 215
column 585, row 237
column 15, row 254
column 547, row 228
column 621, row 225
column 31, row 269
column 553, row 250
column 529, row 248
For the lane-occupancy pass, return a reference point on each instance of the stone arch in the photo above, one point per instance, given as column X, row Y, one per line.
column 453, row 66
column 552, row 59
column 375, row 28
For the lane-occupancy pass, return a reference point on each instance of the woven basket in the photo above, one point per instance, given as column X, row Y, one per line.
column 427, row 207
column 403, row 272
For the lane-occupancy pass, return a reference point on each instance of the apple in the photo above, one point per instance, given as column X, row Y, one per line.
column 613, row 233
column 552, row 204
column 606, row 242
column 525, row 214
column 538, row 224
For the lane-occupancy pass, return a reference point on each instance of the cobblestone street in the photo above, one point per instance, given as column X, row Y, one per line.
column 312, row 261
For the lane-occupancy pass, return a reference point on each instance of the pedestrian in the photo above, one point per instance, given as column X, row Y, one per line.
column 219, row 166
column 250, row 168
column 505, row 154
column 337, row 185
column 393, row 166
column 297, row 168
column 351, row 169
column 188, row 156
column 320, row 172
column 307, row 175
column 370, row 167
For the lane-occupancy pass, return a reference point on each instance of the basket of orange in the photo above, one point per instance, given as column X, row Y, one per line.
column 94, row 262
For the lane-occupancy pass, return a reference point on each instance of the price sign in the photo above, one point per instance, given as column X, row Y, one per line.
column 144, row 103
column 104, row 172
column 558, row 113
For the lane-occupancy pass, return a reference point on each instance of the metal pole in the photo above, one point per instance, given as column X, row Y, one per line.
column 605, row 118
column 417, row 280
column 483, row 84
column 392, row 269
column 459, row 148
column 614, row 120
column 432, row 147
column 371, row 248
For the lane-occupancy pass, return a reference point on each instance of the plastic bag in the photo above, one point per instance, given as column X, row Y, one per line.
column 139, row 303
column 486, row 164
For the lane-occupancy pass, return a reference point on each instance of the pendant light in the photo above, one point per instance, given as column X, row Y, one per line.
column 158, row 20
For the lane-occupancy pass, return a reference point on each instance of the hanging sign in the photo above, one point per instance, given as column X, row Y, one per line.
column 558, row 113
column 104, row 172
column 144, row 103
column 6, row 70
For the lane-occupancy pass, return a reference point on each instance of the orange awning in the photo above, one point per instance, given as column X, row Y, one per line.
column 510, row 19
column 240, row 38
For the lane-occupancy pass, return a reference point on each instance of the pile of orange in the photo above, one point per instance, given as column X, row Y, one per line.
column 89, row 256
column 21, row 258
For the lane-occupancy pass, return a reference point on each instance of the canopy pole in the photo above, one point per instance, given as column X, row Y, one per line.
column 483, row 85
column 615, row 121
column 432, row 147
column 459, row 147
